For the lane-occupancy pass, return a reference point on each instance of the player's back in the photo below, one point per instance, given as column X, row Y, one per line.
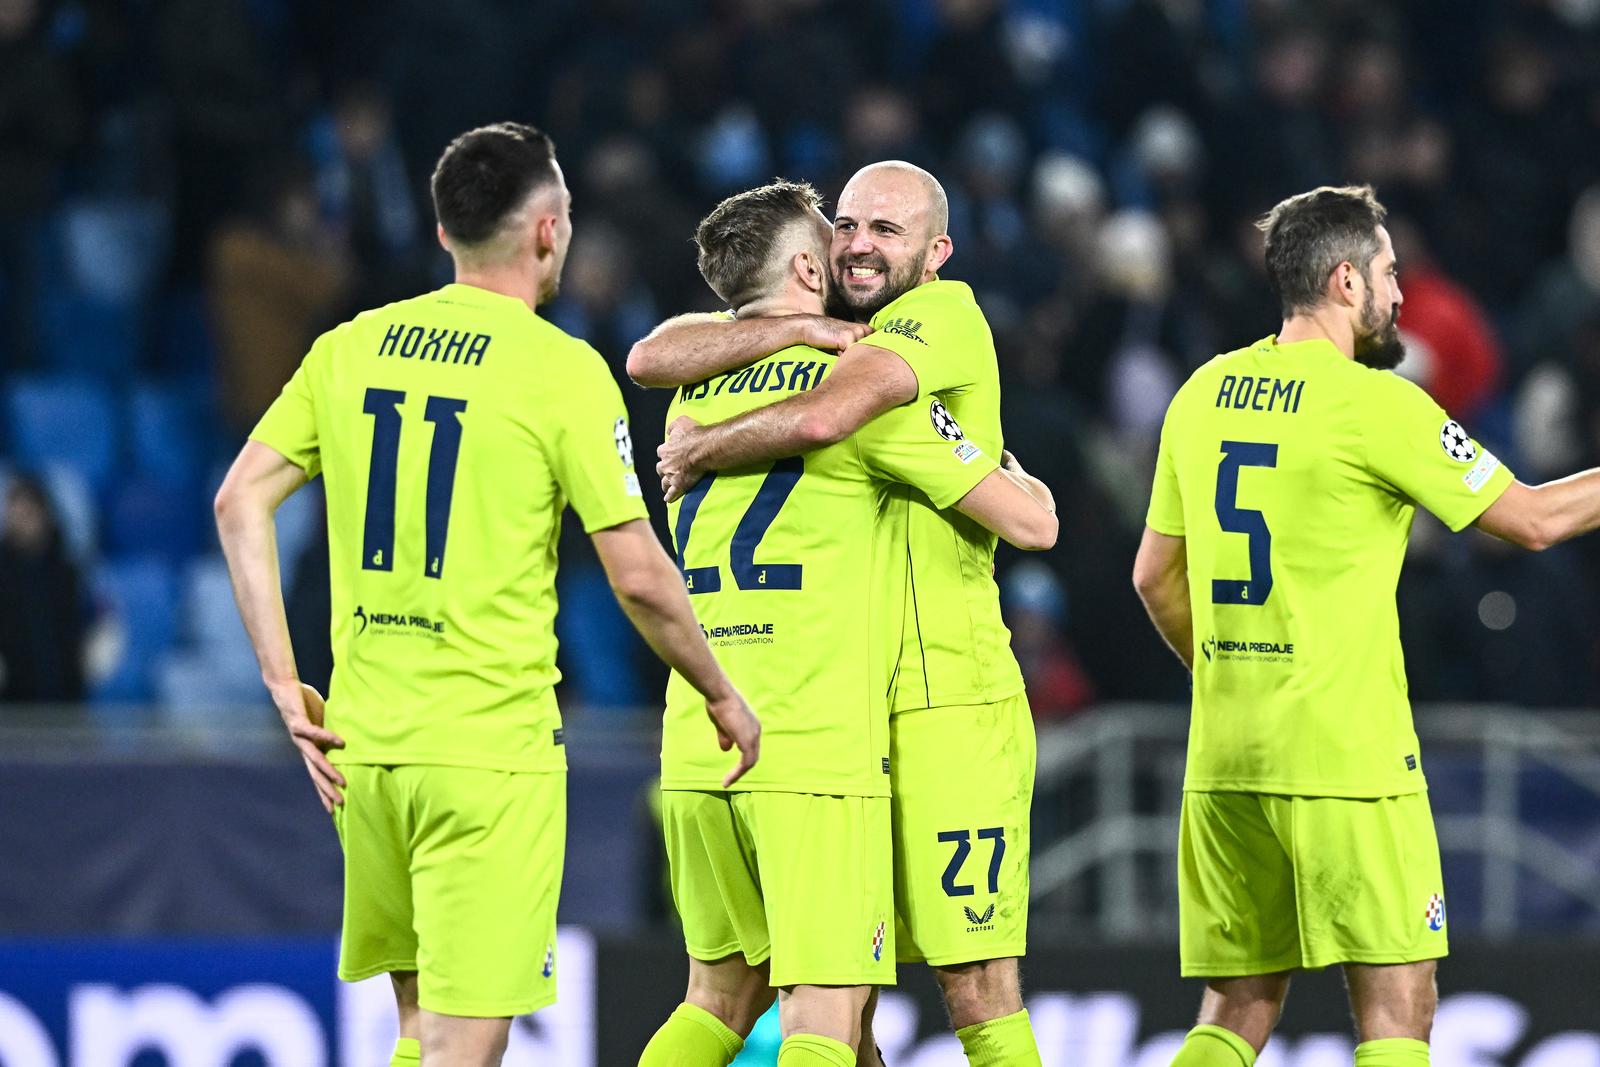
column 1291, row 472
column 451, row 429
column 778, row 560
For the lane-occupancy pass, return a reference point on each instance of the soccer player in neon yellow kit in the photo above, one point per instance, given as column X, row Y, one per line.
column 1285, row 486
column 788, row 881
column 961, row 735
column 452, row 430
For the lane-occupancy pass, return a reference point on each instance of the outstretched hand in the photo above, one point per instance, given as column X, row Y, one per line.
column 677, row 467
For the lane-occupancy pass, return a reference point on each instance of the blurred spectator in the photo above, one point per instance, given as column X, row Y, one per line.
column 366, row 193
column 40, row 121
column 226, row 115
column 42, row 618
column 1567, row 294
column 276, row 280
column 1451, row 347
column 1035, row 611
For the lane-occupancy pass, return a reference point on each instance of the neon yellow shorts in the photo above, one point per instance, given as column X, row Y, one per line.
column 802, row 879
column 1274, row 883
column 454, row 872
column 963, row 789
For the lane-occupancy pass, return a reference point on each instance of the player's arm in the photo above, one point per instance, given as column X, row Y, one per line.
column 1004, row 505
column 1161, row 576
column 1538, row 516
column 650, row 589
column 258, row 482
column 866, row 382
column 692, row 348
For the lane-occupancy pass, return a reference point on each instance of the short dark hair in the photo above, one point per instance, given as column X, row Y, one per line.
column 737, row 239
column 1311, row 234
column 486, row 174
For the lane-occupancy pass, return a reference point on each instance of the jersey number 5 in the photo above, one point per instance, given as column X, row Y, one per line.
column 1253, row 524
column 753, row 526
column 377, row 539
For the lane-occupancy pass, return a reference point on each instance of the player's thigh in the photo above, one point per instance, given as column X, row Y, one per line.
column 486, row 874
column 715, row 885
column 1367, row 879
column 827, row 883
column 1236, row 889
column 963, row 793
column 375, row 831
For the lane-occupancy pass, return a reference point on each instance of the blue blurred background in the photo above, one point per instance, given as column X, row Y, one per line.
column 192, row 190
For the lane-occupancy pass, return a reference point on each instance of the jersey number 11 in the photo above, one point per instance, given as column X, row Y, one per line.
column 377, row 539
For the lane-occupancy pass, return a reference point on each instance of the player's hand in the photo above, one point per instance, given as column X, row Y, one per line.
column 819, row 331
column 301, row 709
column 736, row 725
column 676, row 458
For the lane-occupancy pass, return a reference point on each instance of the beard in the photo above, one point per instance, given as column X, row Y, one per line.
column 1378, row 343
column 897, row 282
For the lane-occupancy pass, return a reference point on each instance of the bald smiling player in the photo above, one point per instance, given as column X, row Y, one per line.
column 962, row 747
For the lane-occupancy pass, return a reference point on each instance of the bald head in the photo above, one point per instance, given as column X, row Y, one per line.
column 907, row 183
column 888, row 236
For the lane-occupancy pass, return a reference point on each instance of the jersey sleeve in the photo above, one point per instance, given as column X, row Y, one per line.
column 905, row 444
column 289, row 426
column 591, row 448
column 1165, row 515
column 929, row 329
column 1419, row 450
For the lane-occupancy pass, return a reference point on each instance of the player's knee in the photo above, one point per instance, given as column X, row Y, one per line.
column 978, row 992
column 737, row 1004
column 1249, row 1007
column 829, row 1011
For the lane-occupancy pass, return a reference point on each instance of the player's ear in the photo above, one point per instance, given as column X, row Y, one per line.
column 939, row 251
column 444, row 242
column 807, row 268
column 1346, row 284
column 544, row 235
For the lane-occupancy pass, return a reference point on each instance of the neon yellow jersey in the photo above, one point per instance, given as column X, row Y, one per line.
column 451, row 431
column 1293, row 474
column 957, row 649
column 795, row 571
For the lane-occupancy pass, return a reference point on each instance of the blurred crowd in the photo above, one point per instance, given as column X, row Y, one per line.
column 192, row 190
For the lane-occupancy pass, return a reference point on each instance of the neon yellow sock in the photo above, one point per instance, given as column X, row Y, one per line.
column 1003, row 1042
column 814, row 1050
column 1212, row 1046
column 1392, row 1052
column 691, row 1037
column 407, row 1053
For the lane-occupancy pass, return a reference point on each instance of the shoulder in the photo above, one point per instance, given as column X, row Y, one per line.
column 1389, row 391
column 942, row 299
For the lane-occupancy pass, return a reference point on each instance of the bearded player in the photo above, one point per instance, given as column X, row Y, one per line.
column 962, row 748
column 1286, row 482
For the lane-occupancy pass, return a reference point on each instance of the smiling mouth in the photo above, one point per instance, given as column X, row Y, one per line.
column 861, row 273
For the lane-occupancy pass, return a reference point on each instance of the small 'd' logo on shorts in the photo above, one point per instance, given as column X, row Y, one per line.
column 1435, row 913
column 549, row 961
column 877, row 942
